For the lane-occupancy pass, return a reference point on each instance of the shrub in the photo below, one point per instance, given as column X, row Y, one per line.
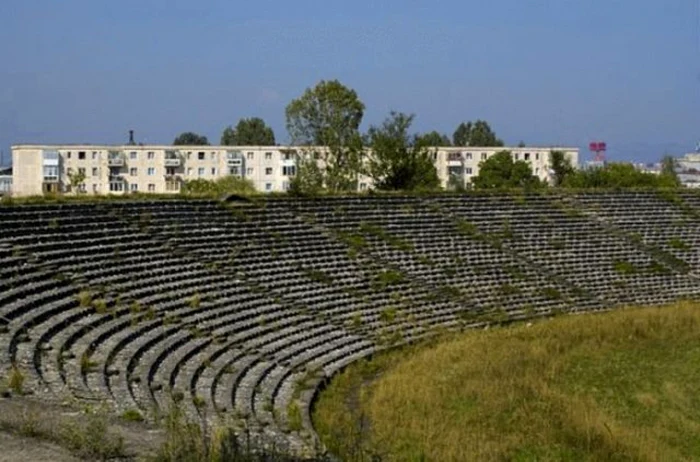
column 194, row 301
column 84, row 298
column 86, row 364
column 16, row 380
column 388, row 315
column 100, row 305
column 132, row 415
column 294, row 417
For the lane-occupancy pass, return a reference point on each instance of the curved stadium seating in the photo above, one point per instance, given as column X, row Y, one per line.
column 241, row 309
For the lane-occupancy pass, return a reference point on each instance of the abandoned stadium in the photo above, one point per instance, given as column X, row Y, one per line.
column 245, row 308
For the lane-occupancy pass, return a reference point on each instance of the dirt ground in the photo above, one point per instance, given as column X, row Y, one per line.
column 15, row 448
column 21, row 417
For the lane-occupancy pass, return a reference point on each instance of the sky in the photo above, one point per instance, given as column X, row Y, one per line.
column 545, row 72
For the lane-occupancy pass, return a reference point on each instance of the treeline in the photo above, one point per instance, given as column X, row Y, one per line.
column 329, row 115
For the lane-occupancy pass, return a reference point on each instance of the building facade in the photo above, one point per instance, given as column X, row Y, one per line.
column 5, row 181
column 121, row 169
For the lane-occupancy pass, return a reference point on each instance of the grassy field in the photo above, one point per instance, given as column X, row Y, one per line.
column 623, row 385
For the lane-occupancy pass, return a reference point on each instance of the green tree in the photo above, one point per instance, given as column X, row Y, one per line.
column 561, row 167
column 76, row 178
column 248, row 132
column 398, row 160
column 326, row 119
column 501, row 172
column 669, row 176
column 436, row 139
column 190, row 139
column 478, row 133
column 462, row 134
column 615, row 175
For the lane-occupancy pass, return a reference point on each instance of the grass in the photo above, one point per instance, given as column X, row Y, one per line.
column 614, row 386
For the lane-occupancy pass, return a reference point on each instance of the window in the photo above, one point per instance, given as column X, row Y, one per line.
column 213, row 171
column 289, row 170
column 94, row 171
column 537, row 170
column 268, row 186
column 285, row 186
column 468, row 170
column 288, row 156
column 81, row 171
column 212, row 156
column 151, row 155
column 172, row 185
column 94, row 155
column 527, row 156
column 170, row 171
column 454, row 156
column 81, row 155
column 235, row 171
column 268, row 156
column 151, row 171
column 468, row 156
column 268, row 171
column 200, row 155
column 201, row 171
column 189, row 154
column 483, row 156
column 249, row 171
column 51, row 173
column 517, row 156
column 94, row 188
column 134, row 187
column 151, row 187
column 363, row 186
column 133, row 171
column 68, row 157
column 116, row 186
column 537, row 156
column 189, row 171
column 133, row 155
column 250, row 155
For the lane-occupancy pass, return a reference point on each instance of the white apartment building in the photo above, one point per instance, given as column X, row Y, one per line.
column 120, row 169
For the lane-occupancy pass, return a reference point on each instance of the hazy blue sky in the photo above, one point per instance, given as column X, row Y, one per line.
column 542, row 71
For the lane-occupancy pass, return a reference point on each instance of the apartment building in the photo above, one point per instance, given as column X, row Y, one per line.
column 121, row 169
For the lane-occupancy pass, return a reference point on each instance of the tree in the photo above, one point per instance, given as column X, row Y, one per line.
column 190, row 139
column 501, row 172
column 462, row 134
column 669, row 176
column 436, row 139
column 615, row 176
column 76, row 178
column 478, row 133
column 398, row 160
column 560, row 166
column 248, row 132
column 326, row 119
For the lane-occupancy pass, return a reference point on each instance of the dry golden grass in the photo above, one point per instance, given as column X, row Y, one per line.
column 616, row 386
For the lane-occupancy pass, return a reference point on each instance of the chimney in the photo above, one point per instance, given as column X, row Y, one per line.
column 131, row 138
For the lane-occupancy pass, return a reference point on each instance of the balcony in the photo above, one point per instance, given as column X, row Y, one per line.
column 116, row 159
column 172, row 162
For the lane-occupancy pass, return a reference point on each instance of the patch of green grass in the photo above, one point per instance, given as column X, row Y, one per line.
column 624, row 267
column 132, row 415
column 612, row 386
column 679, row 244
